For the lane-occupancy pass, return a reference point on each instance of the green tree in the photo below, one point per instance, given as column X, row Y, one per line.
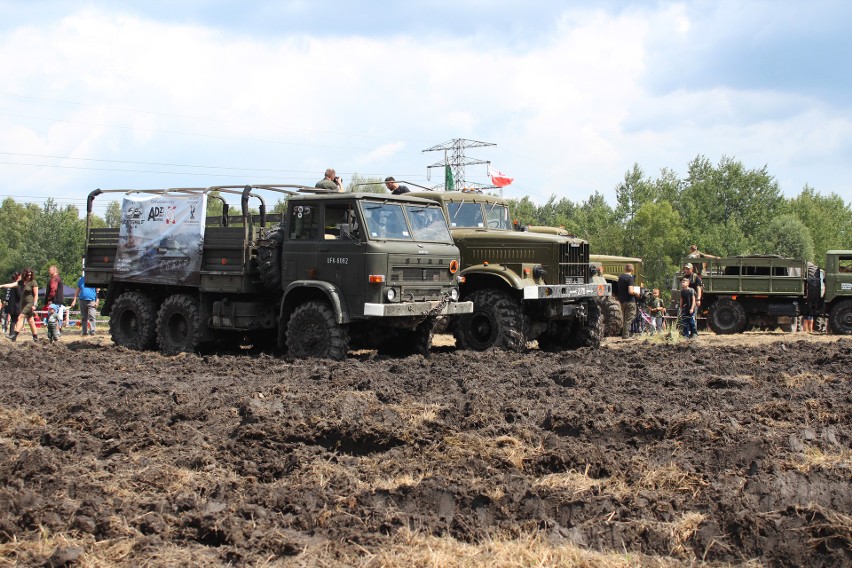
column 828, row 218
column 112, row 217
column 659, row 235
column 597, row 222
column 360, row 183
column 787, row 236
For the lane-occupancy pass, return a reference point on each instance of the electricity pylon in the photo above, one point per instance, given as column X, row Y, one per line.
column 455, row 159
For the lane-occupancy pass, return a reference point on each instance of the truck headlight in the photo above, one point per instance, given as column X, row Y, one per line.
column 390, row 294
column 454, row 295
column 539, row 272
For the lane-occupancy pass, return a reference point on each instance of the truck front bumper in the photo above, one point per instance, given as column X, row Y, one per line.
column 417, row 309
column 567, row 291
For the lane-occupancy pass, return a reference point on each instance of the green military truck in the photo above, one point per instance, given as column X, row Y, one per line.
column 340, row 270
column 743, row 292
column 524, row 285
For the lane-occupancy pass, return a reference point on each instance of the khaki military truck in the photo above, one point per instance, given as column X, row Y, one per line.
column 744, row 292
column 524, row 285
column 340, row 270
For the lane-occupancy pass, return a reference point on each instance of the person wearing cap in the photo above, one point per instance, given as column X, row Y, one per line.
column 627, row 291
column 394, row 187
column 697, row 285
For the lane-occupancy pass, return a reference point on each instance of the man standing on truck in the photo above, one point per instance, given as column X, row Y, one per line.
column 394, row 187
column 697, row 286
column 330, row 182
column 627, row 294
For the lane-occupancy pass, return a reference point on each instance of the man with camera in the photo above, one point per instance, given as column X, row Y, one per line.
column 330, row 182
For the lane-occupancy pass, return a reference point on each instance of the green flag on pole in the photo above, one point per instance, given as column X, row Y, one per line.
column 449, row 183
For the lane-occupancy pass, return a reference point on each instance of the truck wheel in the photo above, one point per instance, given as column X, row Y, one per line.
column 814, row 288
column 496, row 321
column 269, row 258
column 727, row 316
column 313, row 332
column 840, row 318
column 613, row 317
column 179, row 325
column 589, row 332
column 133, row 321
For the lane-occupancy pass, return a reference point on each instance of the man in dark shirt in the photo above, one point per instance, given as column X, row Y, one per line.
column 627, row 293
column 687, row 309
column 394, row 187
column 330, row 181
column 697, row 286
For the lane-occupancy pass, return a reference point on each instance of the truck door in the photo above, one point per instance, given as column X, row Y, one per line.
column 303, row 240
column 341, row 253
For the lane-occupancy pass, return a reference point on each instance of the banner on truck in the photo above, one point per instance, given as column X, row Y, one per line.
column 160, row 239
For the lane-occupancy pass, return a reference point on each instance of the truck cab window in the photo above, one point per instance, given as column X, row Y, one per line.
column 304, row 221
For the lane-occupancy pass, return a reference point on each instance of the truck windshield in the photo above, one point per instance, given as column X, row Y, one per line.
column 498, row 216
column 465, row 215
column 428, row 223
column 385, row 221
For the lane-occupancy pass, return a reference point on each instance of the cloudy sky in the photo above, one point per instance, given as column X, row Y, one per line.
column 157, row 93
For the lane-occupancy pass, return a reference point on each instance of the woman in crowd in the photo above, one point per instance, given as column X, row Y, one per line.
column 12, row 302
column 29, row 293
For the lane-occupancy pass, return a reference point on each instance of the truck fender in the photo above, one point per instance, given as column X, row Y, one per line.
column 329, row 291
column 510, row 277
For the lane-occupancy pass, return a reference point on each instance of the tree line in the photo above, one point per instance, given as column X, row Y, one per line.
column 725, row 209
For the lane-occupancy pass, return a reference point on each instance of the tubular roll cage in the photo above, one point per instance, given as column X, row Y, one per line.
column 245, row 195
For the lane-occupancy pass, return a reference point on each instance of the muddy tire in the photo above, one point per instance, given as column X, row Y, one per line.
column 133, row 321
column 179, row 325
column 269, row 258
column 589, row 332
column 613, row 317
column 814, row 289
column 497, row 321
column 313, row 332
column 727, row 316
column 840, row 318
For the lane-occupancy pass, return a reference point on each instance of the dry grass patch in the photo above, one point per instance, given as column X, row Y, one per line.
column 13, row 418
column 577, row 483
column 804, row 379
column 507, row 449
column 412, row 548
column 814, row 458
column 416, row 415
column 672, row 478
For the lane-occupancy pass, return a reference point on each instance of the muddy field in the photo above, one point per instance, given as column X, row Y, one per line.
column 720, row 451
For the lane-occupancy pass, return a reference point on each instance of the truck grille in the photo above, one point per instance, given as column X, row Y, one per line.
column 414, row 294
column 420, row 274
column 573, row 263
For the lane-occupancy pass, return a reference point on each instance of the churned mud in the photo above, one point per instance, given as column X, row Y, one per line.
column 636, row 453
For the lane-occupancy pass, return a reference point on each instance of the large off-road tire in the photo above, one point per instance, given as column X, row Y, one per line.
column 497, row 321
column 840, row 318
column 179, row 325
column 133, row 321
column 269, row 258
column 727, row 316
column 814, row 289
column 313, row 332
column 613, row 317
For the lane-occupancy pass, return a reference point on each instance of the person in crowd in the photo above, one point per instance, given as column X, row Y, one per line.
column 808, row 323
column 54, row 293
column 688, row 307
column 12, row 304
column 657, row 309
column 29, row 293
column 88, row 305
column 627, row 293
column 394, row 187
column 330, row 182
column 697, row 286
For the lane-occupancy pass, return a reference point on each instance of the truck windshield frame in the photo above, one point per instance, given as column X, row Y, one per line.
column 465, row 215
column 386, row 221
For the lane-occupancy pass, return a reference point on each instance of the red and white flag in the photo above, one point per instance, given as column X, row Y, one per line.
column 500, row 179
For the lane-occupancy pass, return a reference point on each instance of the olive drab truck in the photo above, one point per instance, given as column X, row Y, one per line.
column 746, row 292
column 524, row 285
column 339, row 270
